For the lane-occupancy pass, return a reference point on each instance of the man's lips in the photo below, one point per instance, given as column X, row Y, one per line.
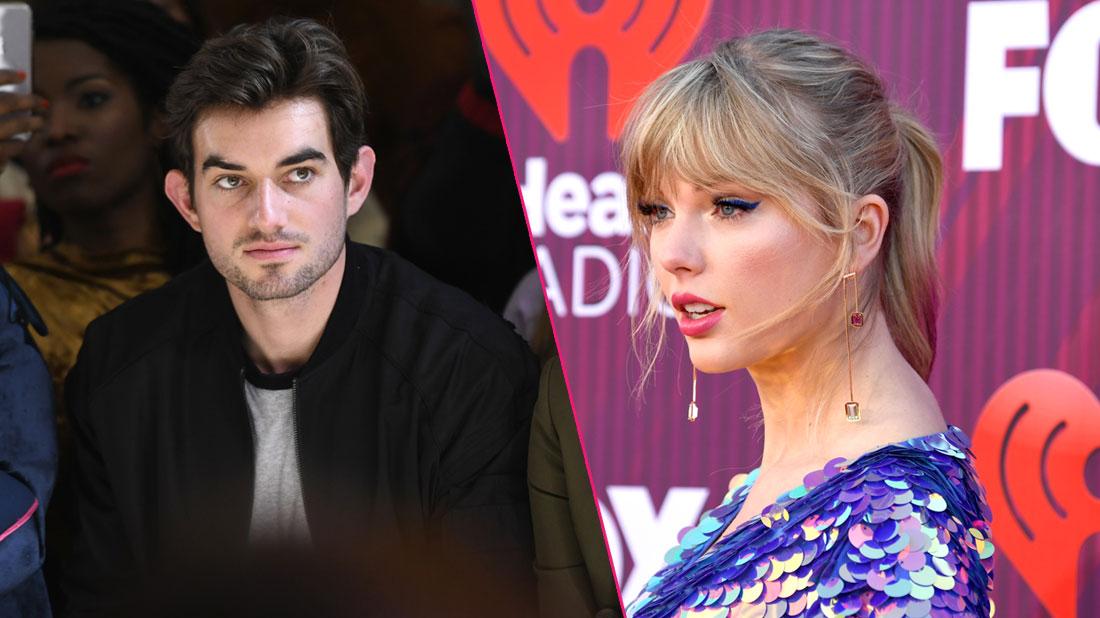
column 695, row 315
column 271, row 251
column 64, row 167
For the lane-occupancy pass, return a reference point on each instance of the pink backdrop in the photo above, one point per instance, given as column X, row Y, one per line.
column 1019, row 254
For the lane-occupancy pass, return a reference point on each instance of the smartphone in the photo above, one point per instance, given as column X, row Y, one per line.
column 16, row 38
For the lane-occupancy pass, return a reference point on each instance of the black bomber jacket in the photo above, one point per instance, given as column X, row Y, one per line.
column 412, row 419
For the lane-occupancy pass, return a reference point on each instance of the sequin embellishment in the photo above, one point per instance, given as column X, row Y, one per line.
column 902, row 531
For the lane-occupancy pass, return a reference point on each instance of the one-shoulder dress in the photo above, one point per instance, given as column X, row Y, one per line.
column 901, row 531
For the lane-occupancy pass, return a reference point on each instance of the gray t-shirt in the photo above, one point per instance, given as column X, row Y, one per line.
column 278, row 511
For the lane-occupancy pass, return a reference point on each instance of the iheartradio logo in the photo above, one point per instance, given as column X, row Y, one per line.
column 1031, row 445
column 535, row 42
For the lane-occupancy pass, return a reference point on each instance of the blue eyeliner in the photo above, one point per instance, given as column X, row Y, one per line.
column 737, row 202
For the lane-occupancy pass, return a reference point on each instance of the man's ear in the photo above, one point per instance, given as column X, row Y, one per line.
column 872, row 217
column 359, row 179
column 178, row 190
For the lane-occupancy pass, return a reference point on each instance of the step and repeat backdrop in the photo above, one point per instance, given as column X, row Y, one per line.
column 1010, row 90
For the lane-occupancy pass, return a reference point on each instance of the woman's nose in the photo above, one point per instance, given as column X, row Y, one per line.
column 678, row 247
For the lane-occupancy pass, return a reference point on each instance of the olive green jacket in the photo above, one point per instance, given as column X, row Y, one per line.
column 571, row 560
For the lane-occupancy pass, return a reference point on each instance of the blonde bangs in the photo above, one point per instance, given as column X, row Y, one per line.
column 692, row 125
column 672, row 132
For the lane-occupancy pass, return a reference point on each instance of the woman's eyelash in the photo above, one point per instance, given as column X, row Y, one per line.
column 726, row 207
column 731, row 206
column 656, row 213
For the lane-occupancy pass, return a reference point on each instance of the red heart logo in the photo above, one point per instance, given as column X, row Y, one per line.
column 535, row 44
column 1031, row 445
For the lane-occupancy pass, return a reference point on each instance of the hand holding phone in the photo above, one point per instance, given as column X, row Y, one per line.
column 17, row 105
column 17, row 116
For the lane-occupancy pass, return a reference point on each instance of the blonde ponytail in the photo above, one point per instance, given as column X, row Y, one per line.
column 911, row 285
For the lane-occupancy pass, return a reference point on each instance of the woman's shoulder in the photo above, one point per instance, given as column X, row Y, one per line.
column 64, row 272
column 915, row 530
column 903, row 526
column 932, row 473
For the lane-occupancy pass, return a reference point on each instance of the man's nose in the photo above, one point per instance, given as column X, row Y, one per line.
column 270, row 213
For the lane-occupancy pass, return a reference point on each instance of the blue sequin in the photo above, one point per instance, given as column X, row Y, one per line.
column 901, row 531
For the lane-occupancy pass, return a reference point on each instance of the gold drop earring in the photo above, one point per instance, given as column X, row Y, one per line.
column 693, row 409
column 855, row 320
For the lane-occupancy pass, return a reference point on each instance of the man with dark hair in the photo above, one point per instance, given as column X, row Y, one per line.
column 300, row 390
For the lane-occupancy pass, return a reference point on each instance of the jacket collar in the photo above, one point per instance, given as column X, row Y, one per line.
column 348, row 308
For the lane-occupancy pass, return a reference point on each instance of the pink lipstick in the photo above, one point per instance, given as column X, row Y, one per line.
column 695, row 315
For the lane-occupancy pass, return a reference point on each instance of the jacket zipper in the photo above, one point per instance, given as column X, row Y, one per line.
column 298, row 450
column 252, row 445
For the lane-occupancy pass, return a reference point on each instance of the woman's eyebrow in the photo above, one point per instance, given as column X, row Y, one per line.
column 80, row 79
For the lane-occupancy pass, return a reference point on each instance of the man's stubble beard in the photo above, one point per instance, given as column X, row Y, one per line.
column 273, row 286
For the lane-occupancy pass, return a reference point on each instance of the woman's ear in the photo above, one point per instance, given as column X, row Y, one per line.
column 157, row 127
column 872, row 217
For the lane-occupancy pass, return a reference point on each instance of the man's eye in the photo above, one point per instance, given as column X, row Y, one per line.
column 302, row 174
column 229, row 182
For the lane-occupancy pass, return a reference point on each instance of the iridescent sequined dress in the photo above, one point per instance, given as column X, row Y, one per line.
column 900, row 531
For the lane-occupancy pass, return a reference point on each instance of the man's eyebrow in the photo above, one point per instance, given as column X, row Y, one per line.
column 303, row 155
column 216, row 161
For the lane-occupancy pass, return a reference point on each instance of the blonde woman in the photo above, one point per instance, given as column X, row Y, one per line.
column 789, row 213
